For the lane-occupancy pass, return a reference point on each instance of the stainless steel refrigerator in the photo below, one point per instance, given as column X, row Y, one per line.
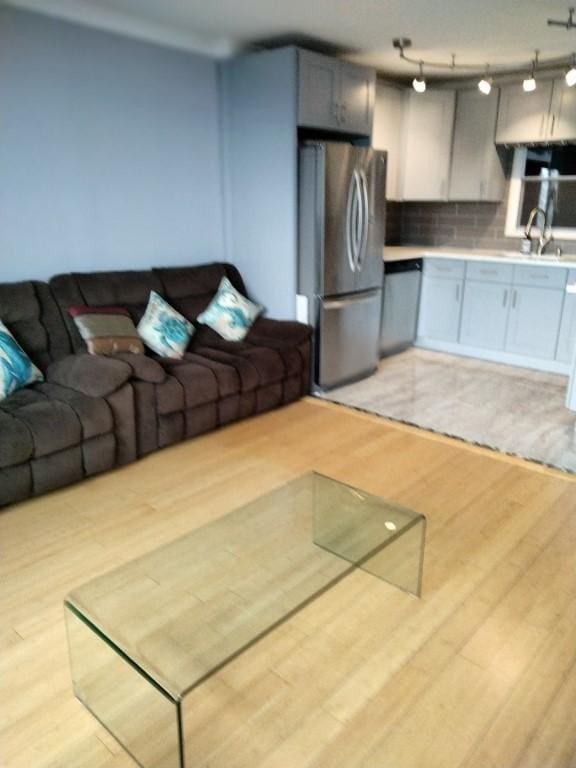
column 340, row 241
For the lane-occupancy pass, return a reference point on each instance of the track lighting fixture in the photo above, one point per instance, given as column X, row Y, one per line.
column 568, row 24
column 419, row 83
column 566, row 63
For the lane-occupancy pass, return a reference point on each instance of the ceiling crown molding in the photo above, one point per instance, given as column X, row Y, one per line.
column 90, row 15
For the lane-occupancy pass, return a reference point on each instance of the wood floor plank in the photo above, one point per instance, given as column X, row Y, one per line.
column 478, row 673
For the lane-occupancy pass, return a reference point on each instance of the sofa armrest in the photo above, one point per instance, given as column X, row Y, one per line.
column 93, row 375
column 143, row 368
column 284, row 331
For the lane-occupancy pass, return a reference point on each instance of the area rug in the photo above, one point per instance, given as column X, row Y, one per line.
column 512, row 410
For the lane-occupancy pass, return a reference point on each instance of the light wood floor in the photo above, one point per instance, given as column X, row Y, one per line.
column 479, row 673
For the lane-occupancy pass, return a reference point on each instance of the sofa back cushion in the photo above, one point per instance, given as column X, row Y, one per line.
column 129, row 290
column 191, row 289
column 187, row 289
column 31, row 314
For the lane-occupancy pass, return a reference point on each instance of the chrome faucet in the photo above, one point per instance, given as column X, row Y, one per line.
column 545, row 238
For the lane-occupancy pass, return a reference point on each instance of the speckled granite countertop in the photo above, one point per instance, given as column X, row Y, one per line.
column 403, row 252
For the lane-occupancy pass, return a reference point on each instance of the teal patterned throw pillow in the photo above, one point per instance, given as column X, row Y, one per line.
column 16, row 368
column 229, row 313
column 163, row 329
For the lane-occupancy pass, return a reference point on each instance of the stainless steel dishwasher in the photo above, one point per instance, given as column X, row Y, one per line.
column 401, row 296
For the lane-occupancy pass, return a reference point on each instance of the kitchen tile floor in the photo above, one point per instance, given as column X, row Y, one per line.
column 513, row 410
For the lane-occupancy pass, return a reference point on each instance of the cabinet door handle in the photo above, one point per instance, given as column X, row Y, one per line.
column 336, row 112
column 542, row 125
column 514, row 296
column 505, row 299
column 552, row 125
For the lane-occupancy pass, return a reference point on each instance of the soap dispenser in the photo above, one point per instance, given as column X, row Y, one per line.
column 526, row 245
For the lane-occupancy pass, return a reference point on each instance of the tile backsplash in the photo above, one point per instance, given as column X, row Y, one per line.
column 466, row 225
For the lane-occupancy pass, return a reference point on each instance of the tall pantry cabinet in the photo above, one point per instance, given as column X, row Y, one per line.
column 265, row 98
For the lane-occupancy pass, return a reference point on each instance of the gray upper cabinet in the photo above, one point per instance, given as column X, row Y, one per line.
column 562, row 122
column 357, row 95
column 387, row 133
column 319, row 91
column 476, row 172
column 335, row 95
column 524, row 118
column 428, row 124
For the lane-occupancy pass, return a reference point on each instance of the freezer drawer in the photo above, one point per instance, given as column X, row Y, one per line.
column 347, row 338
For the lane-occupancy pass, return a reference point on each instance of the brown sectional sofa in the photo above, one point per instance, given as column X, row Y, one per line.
column 93, row 413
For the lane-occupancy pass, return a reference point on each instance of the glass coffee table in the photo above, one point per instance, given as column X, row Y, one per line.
column 144, row 636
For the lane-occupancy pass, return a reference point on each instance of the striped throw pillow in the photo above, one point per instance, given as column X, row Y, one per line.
column 107, row 330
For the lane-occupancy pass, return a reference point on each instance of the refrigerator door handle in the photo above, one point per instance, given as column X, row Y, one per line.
column 365, row 221
column 351, row 210
column 330, row 304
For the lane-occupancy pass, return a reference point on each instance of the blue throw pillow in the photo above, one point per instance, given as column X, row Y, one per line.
column 163, row 329
column 229, row 313
column 16, row 368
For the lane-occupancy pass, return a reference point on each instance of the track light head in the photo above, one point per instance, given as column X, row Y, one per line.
column 570, row 75
column 485, row 84
column 529, row 84
column 419, row 83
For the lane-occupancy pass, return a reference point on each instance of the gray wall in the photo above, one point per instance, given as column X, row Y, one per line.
column 260, row 156
column 109, row 151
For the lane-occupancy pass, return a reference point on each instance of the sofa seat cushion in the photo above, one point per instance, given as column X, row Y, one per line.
column 290, row 333
column 143, row 368
column 259, row 366
column 94, row 413
column 201, row 381
column 16, row 445
column 292, row 360
column 41, row 420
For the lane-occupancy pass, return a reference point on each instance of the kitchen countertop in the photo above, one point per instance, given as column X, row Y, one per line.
column 403, row 252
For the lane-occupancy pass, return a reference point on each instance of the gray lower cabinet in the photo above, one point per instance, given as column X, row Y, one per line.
column 502, row 311
column 534, row 321
column 440, row 305
column 567, row 336
column 484, row 314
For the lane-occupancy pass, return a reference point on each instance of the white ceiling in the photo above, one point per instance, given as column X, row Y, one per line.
column 501, row 32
